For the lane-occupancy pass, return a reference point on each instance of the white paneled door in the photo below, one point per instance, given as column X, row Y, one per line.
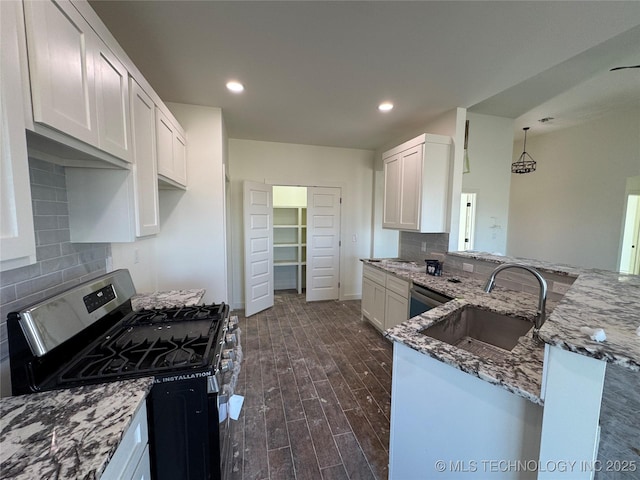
column 258, row 247
column 323, row 243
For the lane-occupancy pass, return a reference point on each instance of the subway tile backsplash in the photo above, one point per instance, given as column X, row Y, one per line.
column 60, row 264
column 436, row 246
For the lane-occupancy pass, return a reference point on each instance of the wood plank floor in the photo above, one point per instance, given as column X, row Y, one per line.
column 317, row 386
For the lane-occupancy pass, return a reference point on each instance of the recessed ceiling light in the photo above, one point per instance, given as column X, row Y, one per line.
column 385, row 106
column 235, row 87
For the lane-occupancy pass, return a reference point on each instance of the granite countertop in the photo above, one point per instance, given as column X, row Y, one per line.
column 70, row 433
column 167, row 299
column 597, row 299
column 520, row 371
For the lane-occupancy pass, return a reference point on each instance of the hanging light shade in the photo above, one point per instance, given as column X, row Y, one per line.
column 526, row 163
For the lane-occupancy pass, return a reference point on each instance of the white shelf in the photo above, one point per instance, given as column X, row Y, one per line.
column 290, row 247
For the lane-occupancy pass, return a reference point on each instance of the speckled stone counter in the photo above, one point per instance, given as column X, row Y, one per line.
column 520, row 372
column 65, row 434
column 606, row 300
column 597, row 299
column 167, row 299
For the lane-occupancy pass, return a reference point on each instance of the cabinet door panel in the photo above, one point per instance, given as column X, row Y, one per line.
column 145, row 169
column 112, row 87
column 17, row 240
column 368, row 297
column 391, row 208
column 410, row 188
column 164, row 132
column 180, row 159
column 396, row 309
column 61, row 64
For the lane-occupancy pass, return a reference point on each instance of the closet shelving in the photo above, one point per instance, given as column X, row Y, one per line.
column 289, row 247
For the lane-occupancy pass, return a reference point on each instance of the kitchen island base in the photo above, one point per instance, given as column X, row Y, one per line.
column 446, row 423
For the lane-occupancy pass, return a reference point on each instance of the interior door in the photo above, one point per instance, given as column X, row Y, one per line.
column 258, row 247
column 323, row 243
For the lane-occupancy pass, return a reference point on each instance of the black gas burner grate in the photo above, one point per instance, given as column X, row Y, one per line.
column 151, row 342
column 109, row 359
column 176, row 314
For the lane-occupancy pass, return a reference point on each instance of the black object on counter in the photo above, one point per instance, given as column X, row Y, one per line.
column 434, row 267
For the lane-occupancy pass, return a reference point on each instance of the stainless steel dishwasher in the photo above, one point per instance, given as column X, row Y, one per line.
column 424, row 299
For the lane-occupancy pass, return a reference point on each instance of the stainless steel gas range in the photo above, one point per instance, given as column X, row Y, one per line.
column 89, row 334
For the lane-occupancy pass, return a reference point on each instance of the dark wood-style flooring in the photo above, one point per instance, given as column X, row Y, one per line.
column 317, row 386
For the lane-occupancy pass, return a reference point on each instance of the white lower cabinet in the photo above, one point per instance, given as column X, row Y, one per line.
column 396, row 309
column 373, row 302
column 385, row 298
column 131, row 459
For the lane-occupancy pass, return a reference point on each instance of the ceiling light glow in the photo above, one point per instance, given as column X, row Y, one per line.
column 385, row 106
column 235, row 87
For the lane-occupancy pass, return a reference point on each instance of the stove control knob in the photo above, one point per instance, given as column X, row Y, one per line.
column 230, row 339
column 226, row 365
column 233, row 323
column 228, row 353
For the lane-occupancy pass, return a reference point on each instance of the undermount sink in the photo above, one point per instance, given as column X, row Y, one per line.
column 484, row 333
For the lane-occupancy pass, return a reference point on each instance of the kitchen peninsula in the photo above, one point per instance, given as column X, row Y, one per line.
column 540, row 404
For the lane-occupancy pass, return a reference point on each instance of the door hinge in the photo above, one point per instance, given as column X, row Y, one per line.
column 338, row 284
column 339, row 243
column 340, row 200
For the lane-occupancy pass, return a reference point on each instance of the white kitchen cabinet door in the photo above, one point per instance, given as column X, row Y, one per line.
column 61, row 47
column 145, row 170
column 179, row 159
column 171, row 151
column 391, row 207
column 112, row 92
column 17, row 239
column 373, row 295
column 410, row 183
column 396, row 309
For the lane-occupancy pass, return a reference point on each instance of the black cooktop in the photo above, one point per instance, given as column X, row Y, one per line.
column 151, row 342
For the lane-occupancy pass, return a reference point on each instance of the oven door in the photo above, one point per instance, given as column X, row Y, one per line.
column 423, row 300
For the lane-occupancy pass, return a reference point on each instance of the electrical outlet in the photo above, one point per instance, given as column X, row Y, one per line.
column 136, row 256
column 423, row 248
column 560, row 288
column 467, row 267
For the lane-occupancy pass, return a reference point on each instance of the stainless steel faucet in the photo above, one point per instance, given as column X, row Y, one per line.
column 542, row 298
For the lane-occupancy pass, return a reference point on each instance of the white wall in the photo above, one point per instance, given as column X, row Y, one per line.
column 191, row 246
column 306, row 165
column 490, row 151
column 571, row 208
column 141, row 259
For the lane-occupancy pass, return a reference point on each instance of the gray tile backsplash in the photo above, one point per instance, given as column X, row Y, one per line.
column 60, row 264
column 436, row 246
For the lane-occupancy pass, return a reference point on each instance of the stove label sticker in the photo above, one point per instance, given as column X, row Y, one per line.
column 176, row 378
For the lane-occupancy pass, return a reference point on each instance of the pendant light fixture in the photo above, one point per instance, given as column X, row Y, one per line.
column 525, row 163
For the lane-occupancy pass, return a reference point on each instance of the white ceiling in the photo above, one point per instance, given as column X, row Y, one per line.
column 315, row 71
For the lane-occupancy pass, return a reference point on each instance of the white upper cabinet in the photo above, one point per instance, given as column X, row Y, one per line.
column 17, row 239
column 78, row 86
column 143, row 128
column 112, row 94
column 61, row 64
column 172, row 151
column 417, row 180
